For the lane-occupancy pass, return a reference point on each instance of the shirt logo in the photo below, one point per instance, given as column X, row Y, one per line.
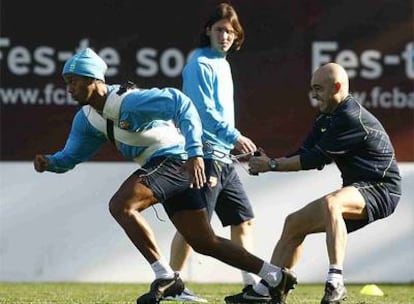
column 124, row 125
column 323, row 130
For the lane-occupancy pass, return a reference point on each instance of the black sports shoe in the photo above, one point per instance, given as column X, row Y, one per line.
column 162, row 288
column 333, row 295
column 248, row 295
column 280, row 292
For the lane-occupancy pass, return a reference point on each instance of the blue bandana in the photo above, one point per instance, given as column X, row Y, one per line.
column 86, row 63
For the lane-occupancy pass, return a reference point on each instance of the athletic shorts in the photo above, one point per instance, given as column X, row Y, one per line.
column 225, row 194
column 380, row 203
column 165, row 177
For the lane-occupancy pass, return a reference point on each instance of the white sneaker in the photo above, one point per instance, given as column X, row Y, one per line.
column 186, row 296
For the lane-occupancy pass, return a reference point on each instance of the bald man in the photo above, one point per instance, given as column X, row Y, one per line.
column 345, row 133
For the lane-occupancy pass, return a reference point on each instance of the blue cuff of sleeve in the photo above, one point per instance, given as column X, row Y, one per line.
column 193, row 152
column 53, row 167
column 236, row 134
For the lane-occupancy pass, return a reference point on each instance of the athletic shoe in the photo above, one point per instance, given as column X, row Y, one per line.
column 281, row 291
column 333, row 295
column 186, row 296
column 162, row 288
column 248, row 295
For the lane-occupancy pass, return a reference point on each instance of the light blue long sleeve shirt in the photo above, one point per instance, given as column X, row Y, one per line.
column 147, row 123
column 208, row 81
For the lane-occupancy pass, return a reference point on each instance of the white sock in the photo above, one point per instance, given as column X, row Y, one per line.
column 261, row 289
column 249, row 278
column 335, row 276
column 271, row 274
column 179, row 273
column 162, row 269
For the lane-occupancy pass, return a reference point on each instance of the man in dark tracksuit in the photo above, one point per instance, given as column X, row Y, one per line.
column 347, row 134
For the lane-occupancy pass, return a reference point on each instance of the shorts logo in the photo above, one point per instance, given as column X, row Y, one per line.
column 212, row 180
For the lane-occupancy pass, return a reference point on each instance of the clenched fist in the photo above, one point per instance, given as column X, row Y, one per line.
column 41, row 163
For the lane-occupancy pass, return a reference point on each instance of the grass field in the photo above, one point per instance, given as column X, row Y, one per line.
column 99, row 293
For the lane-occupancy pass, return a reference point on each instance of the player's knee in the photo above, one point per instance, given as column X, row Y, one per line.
column 114, row 209
column 117, row 209
column 242, row 228
column 332, row 206
column 292, row 222
column 293, row 232
column 246, row 225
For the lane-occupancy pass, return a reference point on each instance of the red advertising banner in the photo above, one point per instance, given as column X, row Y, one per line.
column 148, row 42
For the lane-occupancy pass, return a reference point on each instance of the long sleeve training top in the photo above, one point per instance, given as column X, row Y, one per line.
column 207, row 80
column 356, row 141
column 147, row 123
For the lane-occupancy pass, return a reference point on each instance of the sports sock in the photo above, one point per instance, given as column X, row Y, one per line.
column 271, row 274
column 335, row 276
column 162, row 269
column 249, row 278
column 261, row 289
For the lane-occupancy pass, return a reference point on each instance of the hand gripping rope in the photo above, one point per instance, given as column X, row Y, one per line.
column 208, row 149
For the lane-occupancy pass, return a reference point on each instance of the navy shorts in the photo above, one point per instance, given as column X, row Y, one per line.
column 163, row 175
column 225, row 195
column 379, row 200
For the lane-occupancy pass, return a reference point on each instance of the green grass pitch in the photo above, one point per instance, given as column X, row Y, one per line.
column 101, row 293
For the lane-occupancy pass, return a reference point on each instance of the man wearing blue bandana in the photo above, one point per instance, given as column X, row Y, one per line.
column 142, row 124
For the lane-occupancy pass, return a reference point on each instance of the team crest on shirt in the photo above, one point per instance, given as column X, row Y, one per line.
column 124, row 124
column 212, row 180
